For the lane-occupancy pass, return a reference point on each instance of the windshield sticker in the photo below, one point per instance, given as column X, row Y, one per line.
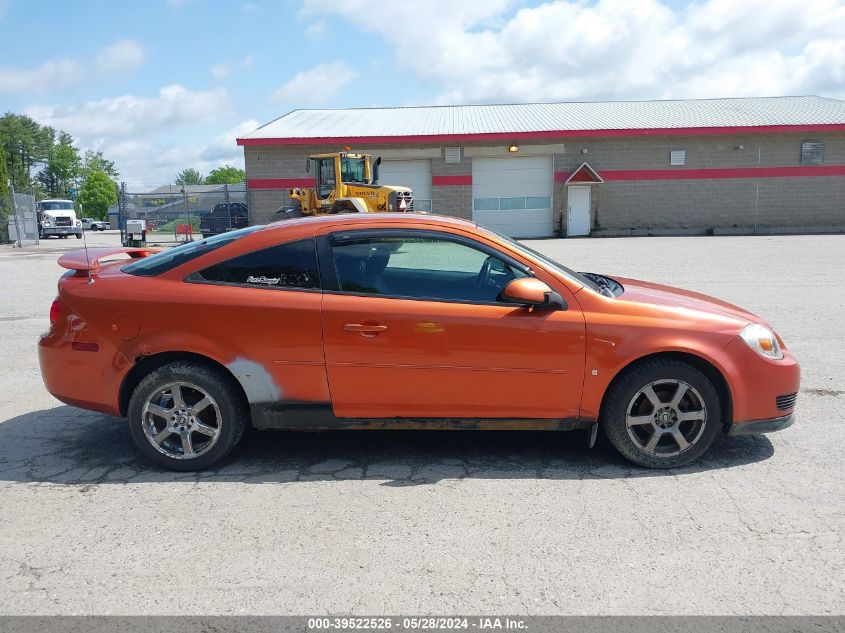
column 270, row 281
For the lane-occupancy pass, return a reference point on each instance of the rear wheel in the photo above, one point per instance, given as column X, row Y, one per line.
column 663, row 413
column 79, row 236
column 291, row 212
column 187, row 416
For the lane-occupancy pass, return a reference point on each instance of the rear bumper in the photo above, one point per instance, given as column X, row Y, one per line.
column 88, row 380
column 758, row 427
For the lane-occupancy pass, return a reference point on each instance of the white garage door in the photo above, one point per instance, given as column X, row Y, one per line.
column 415, row 174
column 514, row 195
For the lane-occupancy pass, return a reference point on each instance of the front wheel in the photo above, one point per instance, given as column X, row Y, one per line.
column 662, row 413
column 187, row 416
column 79, row 236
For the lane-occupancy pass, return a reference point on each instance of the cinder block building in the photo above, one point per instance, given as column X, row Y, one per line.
column 570, row 169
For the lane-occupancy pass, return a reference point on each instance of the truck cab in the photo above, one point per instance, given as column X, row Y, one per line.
column 57, row 217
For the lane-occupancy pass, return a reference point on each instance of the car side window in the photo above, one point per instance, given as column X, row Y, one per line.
column 420, row 267
column 291, row 265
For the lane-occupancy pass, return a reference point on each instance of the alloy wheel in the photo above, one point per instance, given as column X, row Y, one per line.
column 666, row 417
column 181, row 420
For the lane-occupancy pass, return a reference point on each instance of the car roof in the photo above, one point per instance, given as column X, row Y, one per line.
column 361, row 220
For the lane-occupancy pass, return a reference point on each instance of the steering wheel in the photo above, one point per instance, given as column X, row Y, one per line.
column 483, row 276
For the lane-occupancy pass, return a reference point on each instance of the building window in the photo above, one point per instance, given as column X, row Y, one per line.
column 812, row 152
column 678, row 157
column 422, row 205
column 512, row 204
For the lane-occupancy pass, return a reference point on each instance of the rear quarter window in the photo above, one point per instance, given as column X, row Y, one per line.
column 170, row 259
column 290, row 265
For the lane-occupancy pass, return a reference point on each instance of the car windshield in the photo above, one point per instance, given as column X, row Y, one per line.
column 519, row 246
column 169, row 259
column 352, row 170
column 61, row 205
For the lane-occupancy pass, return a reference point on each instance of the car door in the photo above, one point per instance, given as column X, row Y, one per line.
column 413, row 328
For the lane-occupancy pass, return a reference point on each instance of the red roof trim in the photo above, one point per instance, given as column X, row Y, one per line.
column 278, row 183
column 808, row 171
column 444, row 181
column 510, row 136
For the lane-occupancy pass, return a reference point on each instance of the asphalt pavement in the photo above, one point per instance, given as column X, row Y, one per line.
column 395, row 522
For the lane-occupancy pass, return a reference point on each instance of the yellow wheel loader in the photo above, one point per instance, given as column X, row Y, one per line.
column 346, row 184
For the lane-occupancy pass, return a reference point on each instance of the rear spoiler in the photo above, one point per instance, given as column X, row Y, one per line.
column 90, row 260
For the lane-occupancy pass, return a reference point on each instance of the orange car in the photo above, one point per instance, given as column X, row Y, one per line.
column 401, row 321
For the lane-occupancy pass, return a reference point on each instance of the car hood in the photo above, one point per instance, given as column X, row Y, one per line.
column 692, row 304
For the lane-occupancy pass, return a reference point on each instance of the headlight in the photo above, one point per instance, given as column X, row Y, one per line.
column 762, row 340
column 78, row 223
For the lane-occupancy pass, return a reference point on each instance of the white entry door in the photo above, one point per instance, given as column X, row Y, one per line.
column 415, row 174
column 513, row 195
column 578, row 222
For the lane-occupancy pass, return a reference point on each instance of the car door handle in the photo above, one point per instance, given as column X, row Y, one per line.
column 364, row 329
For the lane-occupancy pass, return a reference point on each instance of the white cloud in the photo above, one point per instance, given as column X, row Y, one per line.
column 61, row 73
column 316, row 29
column 316, row 85
column 219, row 71
column 122, row 55
column 145, row 163
column 130, row 115
column 480, row 50
column 119, row 56
column 224, row 148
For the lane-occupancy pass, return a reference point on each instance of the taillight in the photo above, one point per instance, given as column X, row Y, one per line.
column 55, row 308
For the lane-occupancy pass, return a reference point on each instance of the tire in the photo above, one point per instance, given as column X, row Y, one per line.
column 217, row 426
column 655, row 436
column 79, row 236
column 290, row 213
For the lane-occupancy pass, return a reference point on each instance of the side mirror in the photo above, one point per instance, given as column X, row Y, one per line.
column 529, row 291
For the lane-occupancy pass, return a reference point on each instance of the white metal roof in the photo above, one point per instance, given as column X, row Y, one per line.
column 553, row 117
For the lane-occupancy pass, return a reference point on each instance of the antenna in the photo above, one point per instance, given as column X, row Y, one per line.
column 84, row 242
column 87, row 260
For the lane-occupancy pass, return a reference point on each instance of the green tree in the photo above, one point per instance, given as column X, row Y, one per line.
column 95, row 161
column 63, row 168
column 225, row 175
column 189, row 176
column 25, row 144
column 97, row 194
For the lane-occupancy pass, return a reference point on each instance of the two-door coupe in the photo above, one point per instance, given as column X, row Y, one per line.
column 401, row 321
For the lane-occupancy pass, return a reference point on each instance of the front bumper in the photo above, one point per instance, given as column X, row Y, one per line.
column 62, row 230
column 758, row 427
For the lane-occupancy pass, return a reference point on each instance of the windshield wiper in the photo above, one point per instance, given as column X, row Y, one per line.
column 604, row 286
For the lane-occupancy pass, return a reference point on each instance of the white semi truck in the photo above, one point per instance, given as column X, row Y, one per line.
column 57, row 217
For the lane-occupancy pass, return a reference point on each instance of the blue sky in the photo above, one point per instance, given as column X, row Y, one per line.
column 165, row 84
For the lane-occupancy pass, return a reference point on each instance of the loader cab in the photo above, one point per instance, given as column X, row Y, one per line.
column 332, row 171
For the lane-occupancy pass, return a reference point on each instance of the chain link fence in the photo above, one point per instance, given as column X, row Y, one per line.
column 20, row 220
column 180, row 214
